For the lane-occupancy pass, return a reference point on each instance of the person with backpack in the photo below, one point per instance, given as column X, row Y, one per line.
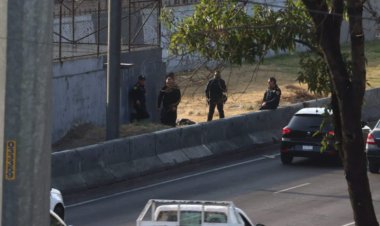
column 216, row 95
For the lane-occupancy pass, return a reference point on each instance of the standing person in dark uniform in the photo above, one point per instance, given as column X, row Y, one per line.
column 169, row 97
column 215, row 90
column 272, row 96
column 137, row 95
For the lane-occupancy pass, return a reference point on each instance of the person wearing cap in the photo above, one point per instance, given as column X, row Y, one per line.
column 138, row 100
column 171, row 75
column 272, row 95
column 169, row 98
column 216, row 95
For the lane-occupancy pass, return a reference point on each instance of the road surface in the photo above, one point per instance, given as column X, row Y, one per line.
column 307, row 193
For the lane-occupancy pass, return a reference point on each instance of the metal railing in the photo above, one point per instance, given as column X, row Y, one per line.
column 80, row 27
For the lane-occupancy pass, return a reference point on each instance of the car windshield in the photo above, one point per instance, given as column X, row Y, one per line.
column 378, row 125
column 310, row 122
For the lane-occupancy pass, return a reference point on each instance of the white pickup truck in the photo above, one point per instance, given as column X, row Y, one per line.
column 192, row 213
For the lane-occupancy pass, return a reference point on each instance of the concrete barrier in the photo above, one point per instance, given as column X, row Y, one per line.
column 66, row 172
column 371, row 106
column 92, row 167
column 192, row 135
column 122, row 159
column 116, row 158
column 143, row 146
column 168, row 140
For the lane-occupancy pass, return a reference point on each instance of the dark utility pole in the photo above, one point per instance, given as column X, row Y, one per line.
column 25, row 110
column 3, row 44
column 113, row 69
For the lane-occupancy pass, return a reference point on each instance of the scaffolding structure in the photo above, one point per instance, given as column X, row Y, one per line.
column 81, row 26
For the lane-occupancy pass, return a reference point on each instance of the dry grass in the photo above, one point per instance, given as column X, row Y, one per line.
column 85, row 134
column 245, row 94
column 246, row 86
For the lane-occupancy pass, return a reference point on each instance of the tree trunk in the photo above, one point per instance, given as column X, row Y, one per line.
column 347, row 98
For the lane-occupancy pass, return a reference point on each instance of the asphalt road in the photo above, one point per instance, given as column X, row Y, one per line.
column 307, row 193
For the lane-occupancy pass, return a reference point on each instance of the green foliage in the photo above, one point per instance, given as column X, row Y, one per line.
column 218, row 30
column 168, row 18
column 315, row 73
column 223, row 31
column 324, row 129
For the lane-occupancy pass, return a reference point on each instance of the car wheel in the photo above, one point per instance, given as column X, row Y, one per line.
column 373, row 168
column 286, row 159
column 60, row 211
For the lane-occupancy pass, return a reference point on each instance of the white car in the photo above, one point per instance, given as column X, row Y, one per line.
column 56, row 203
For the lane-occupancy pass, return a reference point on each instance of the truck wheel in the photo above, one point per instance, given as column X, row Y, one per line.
column 286, row 159
column 373, row 168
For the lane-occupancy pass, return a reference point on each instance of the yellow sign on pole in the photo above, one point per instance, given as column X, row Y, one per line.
column 10, row 160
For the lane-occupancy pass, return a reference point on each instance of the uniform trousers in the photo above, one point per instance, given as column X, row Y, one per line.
column 168, row 116
column 219, row 106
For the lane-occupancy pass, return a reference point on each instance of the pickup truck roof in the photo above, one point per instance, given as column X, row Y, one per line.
column 192, row 213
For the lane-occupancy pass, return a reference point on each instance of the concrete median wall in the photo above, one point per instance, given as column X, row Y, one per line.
column 127, row 158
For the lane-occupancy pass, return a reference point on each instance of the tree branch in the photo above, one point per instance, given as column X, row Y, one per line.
column 314, row 49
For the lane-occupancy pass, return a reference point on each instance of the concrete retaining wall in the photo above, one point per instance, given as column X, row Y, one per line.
column 79, row 89
column 122, row 159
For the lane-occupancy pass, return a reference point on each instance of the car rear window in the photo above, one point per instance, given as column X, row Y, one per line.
column 215, row 217
column 167, row 216
column 310, row 122
column 190, row 218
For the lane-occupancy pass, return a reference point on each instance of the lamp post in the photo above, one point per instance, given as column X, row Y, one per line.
column 113, row 69
column 113, row 102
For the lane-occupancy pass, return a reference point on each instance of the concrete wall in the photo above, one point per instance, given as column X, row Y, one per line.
column 78, row 94
column 79, row 89
column 121, row 159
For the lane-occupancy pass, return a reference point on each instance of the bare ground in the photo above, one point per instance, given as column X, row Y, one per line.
column 245, row 94
column 246, row 86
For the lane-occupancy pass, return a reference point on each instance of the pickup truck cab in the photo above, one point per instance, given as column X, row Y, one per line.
column 192, row 213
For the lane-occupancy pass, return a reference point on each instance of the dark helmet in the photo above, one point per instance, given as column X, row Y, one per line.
column 273, row 79
column 171, row 75
column 141, row 77
column 217, row 74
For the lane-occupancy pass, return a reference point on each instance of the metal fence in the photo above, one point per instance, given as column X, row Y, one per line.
column 81, row 26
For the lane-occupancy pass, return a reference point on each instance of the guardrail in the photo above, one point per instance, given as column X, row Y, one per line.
column 123, row 159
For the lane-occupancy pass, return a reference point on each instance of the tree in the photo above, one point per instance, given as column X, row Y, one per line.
column 223, row 31
column 347, row 96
